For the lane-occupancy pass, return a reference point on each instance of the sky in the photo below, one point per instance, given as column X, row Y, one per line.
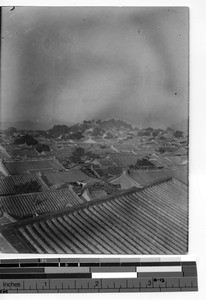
column 75, row 63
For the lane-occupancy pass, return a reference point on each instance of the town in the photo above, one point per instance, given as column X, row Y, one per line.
column 100, row 186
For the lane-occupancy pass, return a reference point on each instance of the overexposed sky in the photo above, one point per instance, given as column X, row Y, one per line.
column 72, row 64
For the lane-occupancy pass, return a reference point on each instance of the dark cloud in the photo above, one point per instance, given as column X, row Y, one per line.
column 78, row 63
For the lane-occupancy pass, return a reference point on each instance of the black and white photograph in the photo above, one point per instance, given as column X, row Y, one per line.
column 94, row 130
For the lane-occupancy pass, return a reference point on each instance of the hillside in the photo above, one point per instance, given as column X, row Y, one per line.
column 87, row 128
column 107, row 129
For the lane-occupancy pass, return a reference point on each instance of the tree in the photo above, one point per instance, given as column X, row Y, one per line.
column 11, row 130
column 162, row 137
column 26, row 139
column 143, row 133
column 150, row 129
column 156, row 132
column 77, row 155
column 76, row 135
column 98, row 131
column 162, row 150
column 142, row 164
column 78, row 151
column 58, row 130
column 109, row 136
column 28, row 187
column 178, row 134
column 42, row 147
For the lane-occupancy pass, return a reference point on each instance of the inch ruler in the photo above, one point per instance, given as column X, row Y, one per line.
column 96, row 275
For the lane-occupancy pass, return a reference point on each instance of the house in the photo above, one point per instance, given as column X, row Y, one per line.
column 25, row 166
column 24, row 206
column 125, row 181
column 9, row 184
column 70, row 176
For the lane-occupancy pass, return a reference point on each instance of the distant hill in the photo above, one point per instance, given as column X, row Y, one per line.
column 114, row 124
column 92, row 128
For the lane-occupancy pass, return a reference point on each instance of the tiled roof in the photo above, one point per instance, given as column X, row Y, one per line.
column 125, row 181
column 110, row 171
column 23, row 166
column 157, row 163
column 5, row 219
column 166, row 161
column 63, row 153
column 148, row 177
column 7, row 184
column 102, row 151
column 96, row 194
column 107, row 162
column 2, row 176
column 26, row 205
column 125, row 147
column 124, row 159
column 176, row 160
column 27, row 152
column 181, row 173
column 67, row 176
column 4, row 155
column 153, row 220
column 5, row 246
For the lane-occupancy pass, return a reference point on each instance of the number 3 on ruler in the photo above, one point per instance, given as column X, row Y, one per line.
column 149, row 283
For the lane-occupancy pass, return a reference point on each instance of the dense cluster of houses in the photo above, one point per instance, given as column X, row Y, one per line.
column 47, row 196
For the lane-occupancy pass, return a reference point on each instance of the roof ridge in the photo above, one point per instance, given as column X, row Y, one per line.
column 158, row 182
column 150, row 170
column 115, row 177
column 65, row 171
column 69, row 209
column 78, row 206
column 127, row 176
column 137, row 184
column 28, row 160
column 181, row 181
column 18, row 176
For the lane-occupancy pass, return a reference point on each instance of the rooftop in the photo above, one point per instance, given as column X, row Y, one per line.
column 181, row 173
column 152, row 220
column 67, row 176
column 8, row 184
column 23, row 166
column 125, row 181
column 27, row 205
column 24, row 152
column 148, row 177
column 123, row 159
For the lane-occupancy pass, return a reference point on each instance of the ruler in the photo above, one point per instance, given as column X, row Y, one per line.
column 96, row 275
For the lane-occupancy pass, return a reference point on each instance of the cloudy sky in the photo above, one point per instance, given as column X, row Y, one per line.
column 72, row 64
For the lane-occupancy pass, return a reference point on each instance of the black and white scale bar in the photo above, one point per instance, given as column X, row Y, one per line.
column 96, row 275
column 7, row 271
column 85, row 262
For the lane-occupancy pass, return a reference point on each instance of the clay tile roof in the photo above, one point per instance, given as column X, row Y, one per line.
column 152, row 220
